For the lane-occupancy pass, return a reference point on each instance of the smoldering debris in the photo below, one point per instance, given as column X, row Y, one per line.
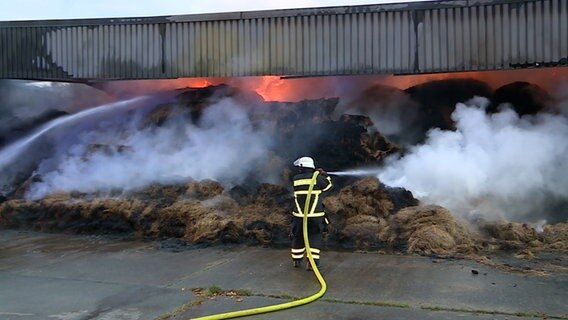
column 431, row 230
column 212, row 165
column 204, row 212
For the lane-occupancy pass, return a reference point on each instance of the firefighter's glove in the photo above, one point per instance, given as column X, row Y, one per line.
column 322, row 172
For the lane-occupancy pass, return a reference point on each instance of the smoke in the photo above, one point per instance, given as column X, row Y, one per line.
column 223, row 146
column 496, row 166
column 26, row 104
column 24, row 99
column 393, row 112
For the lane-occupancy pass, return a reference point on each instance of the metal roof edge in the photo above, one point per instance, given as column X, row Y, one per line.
column 239, row 15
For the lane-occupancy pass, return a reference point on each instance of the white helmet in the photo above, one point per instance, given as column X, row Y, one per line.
column 305, row 162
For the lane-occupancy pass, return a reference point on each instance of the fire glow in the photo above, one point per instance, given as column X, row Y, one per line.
column 276, row 88
column 224, row 124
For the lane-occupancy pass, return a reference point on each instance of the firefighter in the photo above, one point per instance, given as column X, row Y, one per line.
column 317, row 221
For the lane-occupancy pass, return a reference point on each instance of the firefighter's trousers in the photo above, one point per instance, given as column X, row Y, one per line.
column 315, row 229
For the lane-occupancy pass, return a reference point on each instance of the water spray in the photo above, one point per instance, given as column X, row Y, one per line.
column 357, row 172
column 11, row 152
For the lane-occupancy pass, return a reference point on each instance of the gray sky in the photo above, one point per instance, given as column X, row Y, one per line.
column 69, row 9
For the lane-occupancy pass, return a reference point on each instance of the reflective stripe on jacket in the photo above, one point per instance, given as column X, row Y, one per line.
column 301, row 185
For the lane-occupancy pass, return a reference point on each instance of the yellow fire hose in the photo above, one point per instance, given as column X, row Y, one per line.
column 287, row 305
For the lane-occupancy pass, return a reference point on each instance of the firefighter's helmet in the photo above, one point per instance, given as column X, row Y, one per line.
column 305, row 162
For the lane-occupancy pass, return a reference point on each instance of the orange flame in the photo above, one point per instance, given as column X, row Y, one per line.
column 195, row 82
column 271, row 88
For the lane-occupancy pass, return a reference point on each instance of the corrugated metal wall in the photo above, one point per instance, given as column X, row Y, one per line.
column 403, row 38
column 298, row 45
column 494, row 36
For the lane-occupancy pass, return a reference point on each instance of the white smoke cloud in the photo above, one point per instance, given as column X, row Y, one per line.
column 224, row 146
column 497, row 166
column 393, row 112
column 28, row 104
column 25, row 99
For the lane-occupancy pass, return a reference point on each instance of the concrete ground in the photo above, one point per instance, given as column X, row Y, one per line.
column 54, row 276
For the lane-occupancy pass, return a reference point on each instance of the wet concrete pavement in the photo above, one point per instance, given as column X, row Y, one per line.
column 52, row 276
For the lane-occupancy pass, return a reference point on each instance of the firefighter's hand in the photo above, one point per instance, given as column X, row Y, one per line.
column 322, row 172
column 329, row 228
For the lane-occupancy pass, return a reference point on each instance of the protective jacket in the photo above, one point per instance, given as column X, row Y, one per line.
column 301, row 185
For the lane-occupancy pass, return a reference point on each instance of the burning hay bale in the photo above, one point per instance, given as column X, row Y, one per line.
column 195, row 100
column 364, row 197
column 63, row 213
column 311, row 127
column 358, row 146
column 204, row 212
column 204, row 189
column 525, row 240
column 525, row 98
column 393, row 112
column 439, row 99
column 511, row 235
column 511, row 231
column 266, row 217
column 196, row 223
column 556, row 236
column 159, row 115
column 360, row 212
column 197, row 212
column 363, row 231
column 160, row 195
column 190, row 103
column 303, row 112
column 430, row 230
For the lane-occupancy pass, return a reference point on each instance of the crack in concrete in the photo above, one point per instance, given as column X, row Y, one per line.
column 208, row 267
